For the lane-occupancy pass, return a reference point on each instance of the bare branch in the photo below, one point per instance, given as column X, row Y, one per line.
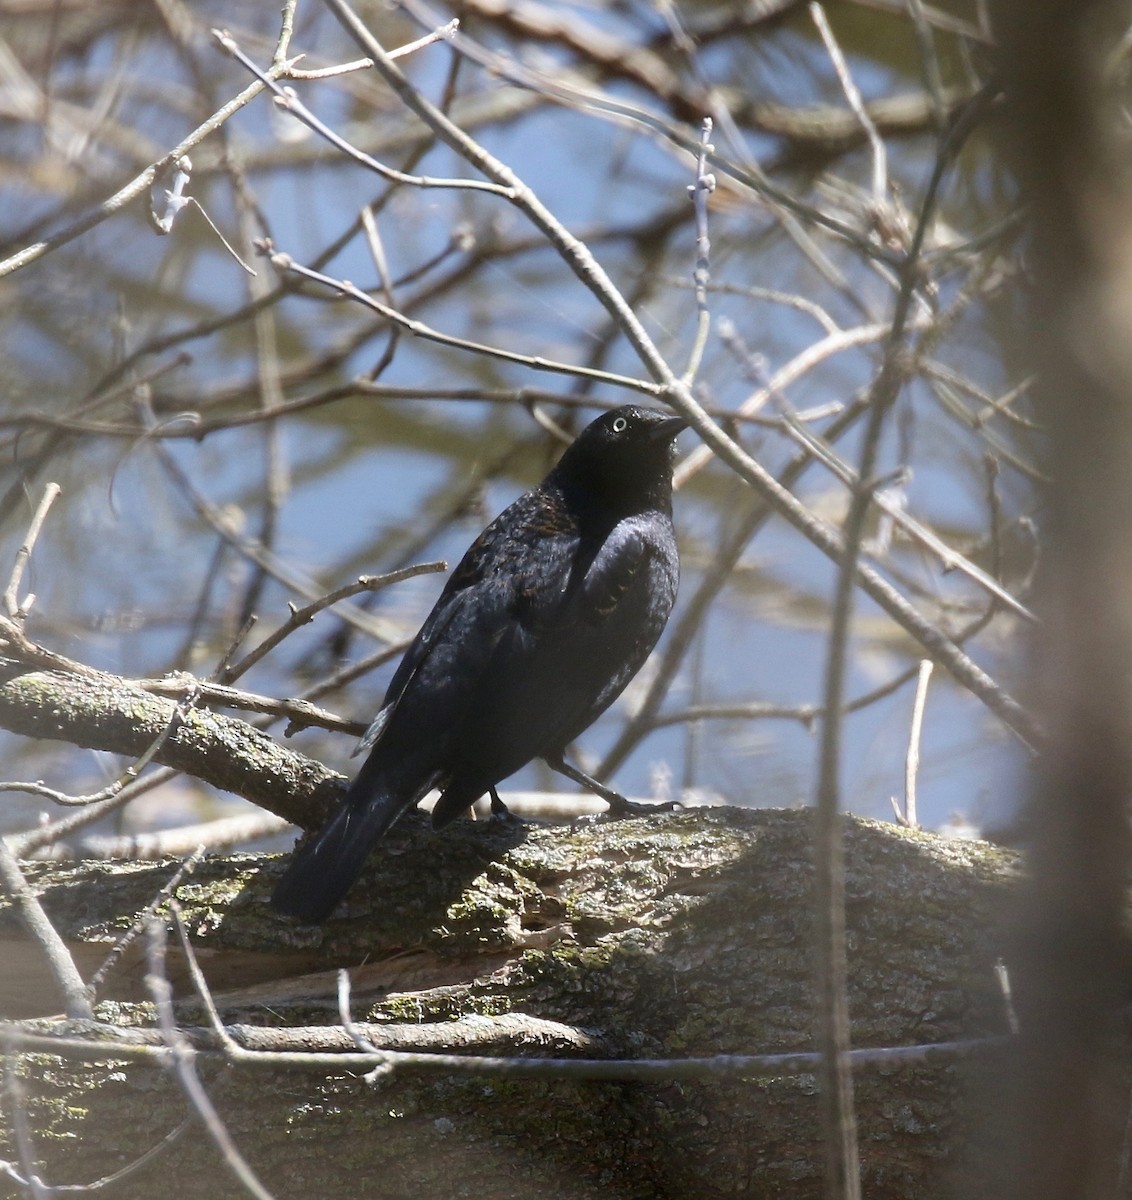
column 106, row 712
column 303, row 616
column 180, row 1061
column 325, row 1048
column 140, row 184
column 908, row 816
column 76, row 994
column 16, row 609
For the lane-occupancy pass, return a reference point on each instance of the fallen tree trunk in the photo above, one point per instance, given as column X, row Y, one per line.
column 673, row 937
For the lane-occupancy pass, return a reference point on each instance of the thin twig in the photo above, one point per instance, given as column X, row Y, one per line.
column 76, row 994
column 950, row 558
column 908, row 817
column 289, row 576
column 287, row 99
column 140, row 184
column 16, row 1104
column 701, row 276
column 805, row 361
column 933, row 76
column 853, row 96
column 444, row 33
column 12, row 604
column 303, row 616
column 576, row 91
column 24, row 845
column 356, row 670
column 180, row 1061
column 180, row 840
column 115, row 1177
column 285, row 263
column 199, row 981
column 141, row 921
column 383, row 1066
column 269, row 393
column 148, row 1044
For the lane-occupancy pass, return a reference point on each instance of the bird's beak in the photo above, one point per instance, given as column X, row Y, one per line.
column 666, row 430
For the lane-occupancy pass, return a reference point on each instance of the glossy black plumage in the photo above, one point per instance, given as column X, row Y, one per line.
column 549, row 614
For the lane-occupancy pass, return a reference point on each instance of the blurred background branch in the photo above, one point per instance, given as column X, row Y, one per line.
column 1067, row 135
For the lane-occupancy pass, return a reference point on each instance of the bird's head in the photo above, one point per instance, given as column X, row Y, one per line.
column 624, row 458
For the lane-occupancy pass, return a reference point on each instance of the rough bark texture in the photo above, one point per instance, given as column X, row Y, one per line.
column 107, row 712
column 676, row 935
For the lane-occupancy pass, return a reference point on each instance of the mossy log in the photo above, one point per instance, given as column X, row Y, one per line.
column 670, row 936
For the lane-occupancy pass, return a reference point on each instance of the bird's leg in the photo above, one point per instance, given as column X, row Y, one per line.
column 499, row 810
column 619, row 806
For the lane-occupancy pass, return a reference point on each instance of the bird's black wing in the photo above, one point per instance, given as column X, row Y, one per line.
column 443, row 613
column 580, row 627
column 605, row 580
column 625, row 596
column 499, row 575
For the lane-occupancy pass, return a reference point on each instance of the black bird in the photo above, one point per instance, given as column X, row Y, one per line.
column 550, row 613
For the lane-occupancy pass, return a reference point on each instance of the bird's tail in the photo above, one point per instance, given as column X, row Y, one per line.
column 324, row 869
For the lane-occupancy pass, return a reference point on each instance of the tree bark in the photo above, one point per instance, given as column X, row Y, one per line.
column 106, row 712
column 668, row 937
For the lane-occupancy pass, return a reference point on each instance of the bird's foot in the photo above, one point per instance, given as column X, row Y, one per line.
column 619, row 806
column 501, row 813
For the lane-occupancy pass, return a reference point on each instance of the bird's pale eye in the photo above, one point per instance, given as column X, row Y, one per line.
column 620, row 425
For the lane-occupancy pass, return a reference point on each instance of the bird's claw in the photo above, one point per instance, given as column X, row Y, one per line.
column 500, row 813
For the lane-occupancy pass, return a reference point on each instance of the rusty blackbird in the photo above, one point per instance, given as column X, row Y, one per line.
column 548, row 616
